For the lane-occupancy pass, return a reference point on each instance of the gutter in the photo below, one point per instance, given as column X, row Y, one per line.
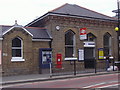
column 68, row 15
column 45, row 40
column 78, row 16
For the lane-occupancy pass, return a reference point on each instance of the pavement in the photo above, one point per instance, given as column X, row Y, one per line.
column 44, row 77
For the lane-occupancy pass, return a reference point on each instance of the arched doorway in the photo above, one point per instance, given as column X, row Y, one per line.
column 89, row 51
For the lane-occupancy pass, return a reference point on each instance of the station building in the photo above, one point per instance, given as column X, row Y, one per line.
column 20, row 48
column 67, row 32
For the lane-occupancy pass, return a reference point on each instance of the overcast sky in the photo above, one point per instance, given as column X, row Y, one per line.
column 25, row 11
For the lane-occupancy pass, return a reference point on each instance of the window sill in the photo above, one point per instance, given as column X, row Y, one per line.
column 17, row 59
column 70, row 59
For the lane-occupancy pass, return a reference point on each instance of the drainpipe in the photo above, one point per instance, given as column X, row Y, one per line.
column 50, row 43
column 1, row 40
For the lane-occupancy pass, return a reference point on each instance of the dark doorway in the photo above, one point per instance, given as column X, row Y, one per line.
column 89, row 57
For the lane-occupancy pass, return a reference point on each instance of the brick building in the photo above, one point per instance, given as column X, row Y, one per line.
column 20, row 48
column 64, row 25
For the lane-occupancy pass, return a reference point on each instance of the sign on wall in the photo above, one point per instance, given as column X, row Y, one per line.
column 46, row 57
column 100, row 53
column 83, row 34
column 81, row 54
column 89, row 44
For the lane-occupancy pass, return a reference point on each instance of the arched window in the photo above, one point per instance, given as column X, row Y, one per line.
column 107, row 44
column 17, row 47
column 91, row 37
column 69, row 44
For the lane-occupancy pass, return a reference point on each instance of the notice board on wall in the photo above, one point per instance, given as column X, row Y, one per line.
column 81, row 54
column 100, row 53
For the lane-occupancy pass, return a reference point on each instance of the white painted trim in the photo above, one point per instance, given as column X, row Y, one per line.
column 16, row 59
column 19, row 27
column 74, row 43
column 70, row 59
column 89, row 45
column 85, row 17
column 27, row 31
column 1, row 38
column 55, row 14
column 41, row 40
column 21, row 48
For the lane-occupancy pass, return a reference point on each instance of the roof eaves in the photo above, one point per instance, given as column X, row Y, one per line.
column 20, row 27
column 43, row 39
column 78, row 16
column 70, row 15
column 34, row 27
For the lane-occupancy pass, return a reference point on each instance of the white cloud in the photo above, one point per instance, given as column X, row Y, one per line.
column 26, row 10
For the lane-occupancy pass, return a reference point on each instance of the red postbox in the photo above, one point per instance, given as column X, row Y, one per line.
column 59, row 61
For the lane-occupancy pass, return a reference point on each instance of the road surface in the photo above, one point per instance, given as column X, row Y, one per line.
column 98, row 81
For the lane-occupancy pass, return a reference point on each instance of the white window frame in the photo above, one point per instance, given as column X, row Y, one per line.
column 110, row 42
column 14, row 59
column 74, row 44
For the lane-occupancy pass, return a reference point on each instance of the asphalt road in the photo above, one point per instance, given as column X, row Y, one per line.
column 99, row 81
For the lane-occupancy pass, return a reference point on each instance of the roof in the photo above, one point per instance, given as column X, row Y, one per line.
column 74, row 11
column 39, row 33
column 36, row 33
column 3, row 29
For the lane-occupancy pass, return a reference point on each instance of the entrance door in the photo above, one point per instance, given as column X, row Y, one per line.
column 89, row 56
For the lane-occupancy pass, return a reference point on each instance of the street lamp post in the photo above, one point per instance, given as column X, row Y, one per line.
column 118, row 35
column 117, row 29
